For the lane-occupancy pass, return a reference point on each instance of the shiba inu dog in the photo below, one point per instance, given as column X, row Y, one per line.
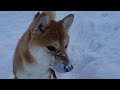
column 43, row 47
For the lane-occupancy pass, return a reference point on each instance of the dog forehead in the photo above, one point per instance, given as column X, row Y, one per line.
column 55, row 34
column 56, row 31
column 54, row 43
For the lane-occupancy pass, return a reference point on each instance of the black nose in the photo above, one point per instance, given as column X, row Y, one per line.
column 68, row 68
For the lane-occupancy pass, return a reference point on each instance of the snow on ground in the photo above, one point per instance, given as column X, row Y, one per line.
column 94, row 42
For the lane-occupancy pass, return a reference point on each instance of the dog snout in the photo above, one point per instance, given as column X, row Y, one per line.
column 68, row 67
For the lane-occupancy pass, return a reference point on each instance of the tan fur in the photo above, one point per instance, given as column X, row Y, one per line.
column 54, row 33
column 51, row 14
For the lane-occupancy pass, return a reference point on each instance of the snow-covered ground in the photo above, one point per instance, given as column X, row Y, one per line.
column 94, row 45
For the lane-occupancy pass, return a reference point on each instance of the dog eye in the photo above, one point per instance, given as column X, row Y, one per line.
column 51, row 48
column 66, row 46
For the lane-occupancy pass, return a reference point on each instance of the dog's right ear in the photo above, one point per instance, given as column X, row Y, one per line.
column 43, row 22
column 36, row 15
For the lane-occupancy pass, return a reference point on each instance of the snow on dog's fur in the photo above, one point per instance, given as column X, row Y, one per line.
column 43, row 47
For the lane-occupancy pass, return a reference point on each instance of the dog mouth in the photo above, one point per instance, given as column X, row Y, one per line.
column 60, row 66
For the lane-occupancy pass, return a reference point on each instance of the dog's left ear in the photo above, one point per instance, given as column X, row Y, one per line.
column 67, row 21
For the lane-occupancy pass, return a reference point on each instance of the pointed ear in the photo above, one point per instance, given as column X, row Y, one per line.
column 43, row 23
column 36, row 15
column 67, row 21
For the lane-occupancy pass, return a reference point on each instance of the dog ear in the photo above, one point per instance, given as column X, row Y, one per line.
column 43, row 23
column 67, row 21
column 36, row 15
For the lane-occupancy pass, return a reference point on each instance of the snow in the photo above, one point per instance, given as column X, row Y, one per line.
column 94, row 43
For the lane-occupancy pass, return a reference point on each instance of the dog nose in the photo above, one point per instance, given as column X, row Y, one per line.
column 68, row 68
